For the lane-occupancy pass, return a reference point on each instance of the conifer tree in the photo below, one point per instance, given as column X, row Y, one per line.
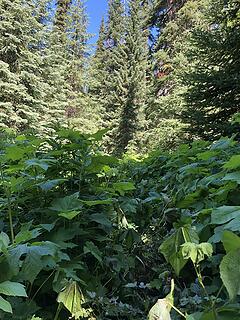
column 166, row 128
column 104, row 67
column 61, row 14
column 69, row 43
column 212, row 75
column 121, row 64
column 131, row 78
column 114, row 36
column 24, row 90
column 97, row 73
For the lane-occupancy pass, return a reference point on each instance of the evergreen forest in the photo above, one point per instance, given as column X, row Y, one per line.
column 120, row 160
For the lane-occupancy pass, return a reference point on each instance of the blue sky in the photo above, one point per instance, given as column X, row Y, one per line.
column 95, row 9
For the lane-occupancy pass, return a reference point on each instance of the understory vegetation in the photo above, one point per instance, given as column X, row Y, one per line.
column 120, row 164
column 88, row 235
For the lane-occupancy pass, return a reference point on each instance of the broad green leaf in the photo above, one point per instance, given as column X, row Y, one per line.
column 68, row 203
column 192, row 198
column 230, row 273
column 14, row 289
column 62, row 236
column 204, row 249
column 100, row 161
column 161, row 309
column 35, row 318
column 122, row 187
column 190, row 317
column 222, row 144
column 72, row 298
column 50, row 184
column 4, row 241
column 69, row 214
column 196, row 252
column 91, row 203
column 101, row 219
column 15, row 152
column 224, row 214
column 230, row 241
column 5, row 305
column 207, row 155
column 26, row 235
column 47, row 226
column 210, row 315
column 91, row 248
column 234, row 176
column 41, row 163
column 233, row 163
column 34, row 262
column 171, row 247
column 14, row 256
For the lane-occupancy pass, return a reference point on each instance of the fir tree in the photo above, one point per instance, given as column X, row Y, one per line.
column 166, row 129
column 104, row 67
column 61, row 14
column 131, row 79
column 121, row 64
column 24, row 90
column 213, row 80
column 69, row 46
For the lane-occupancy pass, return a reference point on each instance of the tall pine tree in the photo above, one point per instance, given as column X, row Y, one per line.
column 131, row 79
column 24, row 89
column 213, row 72
column 121, row 64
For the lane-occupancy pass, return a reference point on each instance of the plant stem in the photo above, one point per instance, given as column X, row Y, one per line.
column 176, row 309
column 10, row 217
column 58, row 311
column 33, row 297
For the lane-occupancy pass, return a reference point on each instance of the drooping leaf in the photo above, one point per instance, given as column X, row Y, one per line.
column 230, row 273
column 4, row 241
column 69, row 214
column 5, row 305
column 196, row 252
column 72, row 298
column 101, row 219
column 171, row 247
column 25, row 234
column 34, row 262
column 233, row 163
column 123, row 187
column 234, row 176
column 68, row 203
column 230, row 241
column 14, row 289
column 40, row 163
column 224, row 214
column 50, row 184
column 15, row 152
column 161, row 309
column 90, row 247
column 207, row 155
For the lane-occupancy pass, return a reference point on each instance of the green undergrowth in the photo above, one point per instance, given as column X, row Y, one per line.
column 89, row 236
